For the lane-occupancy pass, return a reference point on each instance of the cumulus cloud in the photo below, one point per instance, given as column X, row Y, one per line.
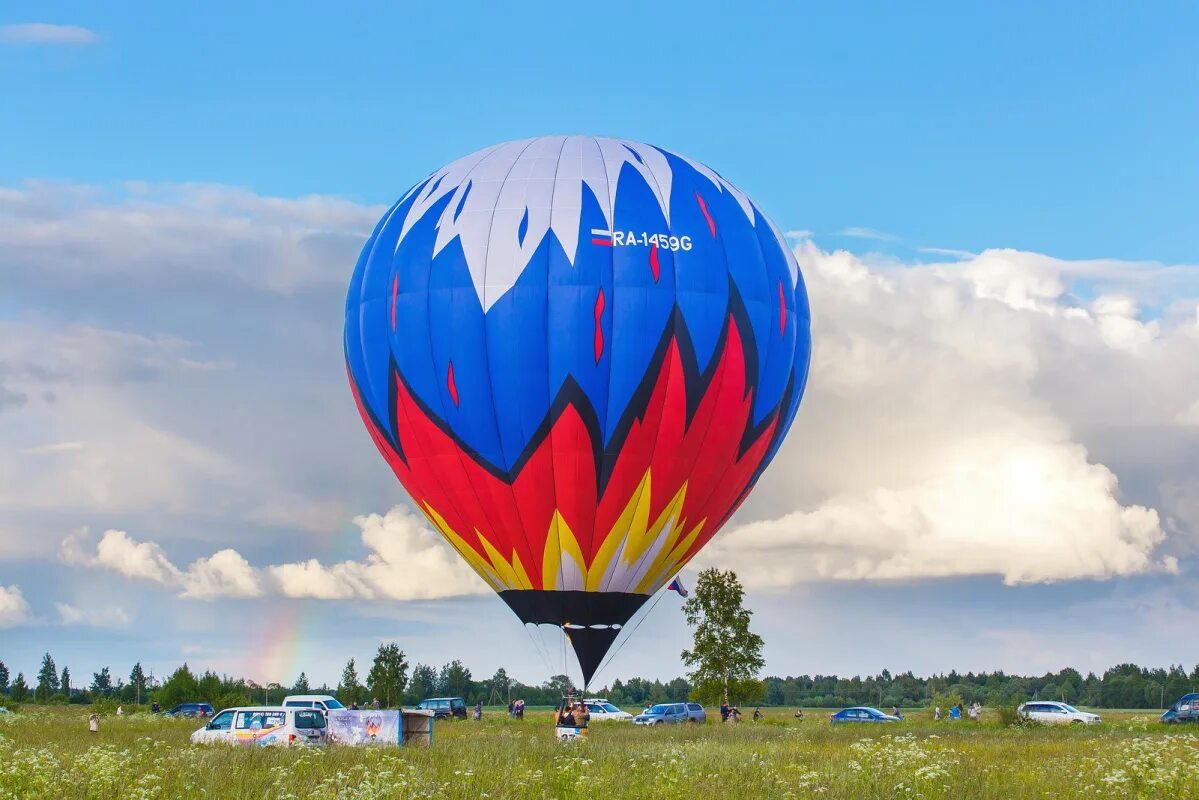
column 13, row 608
column 941, row 432
column 405, row 561
column 119, row 552
column 212, row 400
column 46, row 33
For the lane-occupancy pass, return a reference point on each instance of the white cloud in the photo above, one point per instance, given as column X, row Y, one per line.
column 227, row 415
column 857, row 232
column 119, row 552
column 939, row 436
column 798, row 234
column 13, row 608
column 46, row 33
column 406, row 561
column 168, row 235
column 223, row 574
column 92, row 616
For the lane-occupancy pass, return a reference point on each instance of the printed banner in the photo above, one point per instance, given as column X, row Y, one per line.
column 364, row 727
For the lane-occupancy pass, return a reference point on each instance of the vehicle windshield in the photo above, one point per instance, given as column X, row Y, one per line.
column 611, row 709
column 661, row 708
column 1070, row 708
column 333, row 704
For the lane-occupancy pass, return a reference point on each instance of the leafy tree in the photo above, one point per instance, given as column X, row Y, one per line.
column 137, row 683
column 209, row 687
column 349, row 691
column 181, row 687
column 47, row 680
column 19, row 690
column 301, row 686
column 423, row 683
column 102, row 683
column 726, row 656
column 388, row 675
column 454, row 680
column 3, row 678
column 64, row 683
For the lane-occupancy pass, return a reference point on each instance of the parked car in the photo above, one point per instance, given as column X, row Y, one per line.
column 265, row 725
column 444, row 707
column 600, row 708
column 325, row 702
column 1054, row 713
column 1185, row 709
column 190, row 710
column 861, row 714
column 671, row 714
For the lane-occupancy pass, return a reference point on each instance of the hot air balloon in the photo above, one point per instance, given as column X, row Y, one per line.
column 577, row 354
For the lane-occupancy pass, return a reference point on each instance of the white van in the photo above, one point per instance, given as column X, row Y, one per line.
column 265, row 725
column 325, row 702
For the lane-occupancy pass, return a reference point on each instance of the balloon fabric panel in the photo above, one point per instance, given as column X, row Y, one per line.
column 577, row 355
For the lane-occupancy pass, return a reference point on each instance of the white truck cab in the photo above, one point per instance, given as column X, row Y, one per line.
column 325, row 702
column 265, row 725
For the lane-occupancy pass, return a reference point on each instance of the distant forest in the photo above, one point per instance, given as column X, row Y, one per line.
column 390, row 679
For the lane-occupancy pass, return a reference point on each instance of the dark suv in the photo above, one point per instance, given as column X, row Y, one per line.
column 444, row 707
column 1185, row 710
column 190, row 710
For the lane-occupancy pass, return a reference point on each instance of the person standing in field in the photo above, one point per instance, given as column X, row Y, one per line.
column 937, row 714
column 478, row 710
column 799, row 715
column 724, row 711
column 511, row 709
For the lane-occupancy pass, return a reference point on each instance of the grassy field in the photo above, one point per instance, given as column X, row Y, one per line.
column 49, row 753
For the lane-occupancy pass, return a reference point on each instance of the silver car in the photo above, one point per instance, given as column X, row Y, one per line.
column 671, row 714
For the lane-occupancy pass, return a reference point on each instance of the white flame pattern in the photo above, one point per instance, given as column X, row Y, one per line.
column 543, row 179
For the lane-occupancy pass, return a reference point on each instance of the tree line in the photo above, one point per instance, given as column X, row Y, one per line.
column 390, row 679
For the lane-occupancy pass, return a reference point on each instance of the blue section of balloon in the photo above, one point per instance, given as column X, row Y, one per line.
column 423, row 311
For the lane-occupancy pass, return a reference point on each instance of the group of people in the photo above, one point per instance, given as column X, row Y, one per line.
column 732, row 714
column 516, row 709
column 975, row 711
column 572, row 714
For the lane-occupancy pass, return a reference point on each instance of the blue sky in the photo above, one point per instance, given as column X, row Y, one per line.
column 1060, row 127
column 995, row 212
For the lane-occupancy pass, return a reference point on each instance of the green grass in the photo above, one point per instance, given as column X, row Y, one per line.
column 49, row 753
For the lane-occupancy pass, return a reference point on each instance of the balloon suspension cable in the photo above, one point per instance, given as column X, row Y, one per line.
column 539, row 646
column 626, row 636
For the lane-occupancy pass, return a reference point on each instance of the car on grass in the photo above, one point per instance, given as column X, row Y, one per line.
column 1185, row 709
column 1051, row 712
column 444, row 707
column 325, row 702
column 189, row 710
column 861, row 714
column 671, row 714
column 265, row 725
column 599, row 708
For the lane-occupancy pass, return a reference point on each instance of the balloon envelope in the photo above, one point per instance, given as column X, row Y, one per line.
column 577, row 354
